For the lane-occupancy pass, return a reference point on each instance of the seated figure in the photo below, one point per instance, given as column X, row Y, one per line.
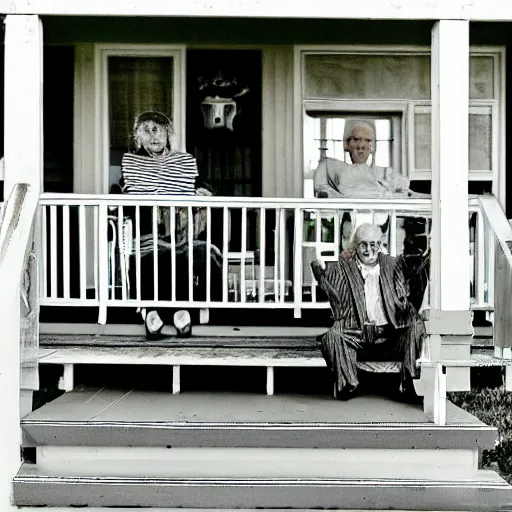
column 334, row 178
column 374, row 318
column 156, row 168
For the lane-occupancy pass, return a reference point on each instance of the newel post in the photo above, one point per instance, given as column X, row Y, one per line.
column 449, row 320
column 23, row 164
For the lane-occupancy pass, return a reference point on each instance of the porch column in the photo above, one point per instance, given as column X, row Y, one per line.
column 23, row 139
column 23, row 163
column 450, row 149
column 449, row 321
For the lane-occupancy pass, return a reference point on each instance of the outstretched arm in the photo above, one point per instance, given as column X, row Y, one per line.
column 318, row 270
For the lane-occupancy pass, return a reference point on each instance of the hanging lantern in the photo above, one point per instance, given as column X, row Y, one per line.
column 218, row 112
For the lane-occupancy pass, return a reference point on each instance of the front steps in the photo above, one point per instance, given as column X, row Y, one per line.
column 486, row 492
column 110, row 448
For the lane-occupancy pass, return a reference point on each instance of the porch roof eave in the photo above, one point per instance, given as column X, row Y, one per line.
column 478, row 10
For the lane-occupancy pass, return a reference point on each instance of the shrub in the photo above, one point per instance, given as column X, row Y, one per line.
column 493, row 406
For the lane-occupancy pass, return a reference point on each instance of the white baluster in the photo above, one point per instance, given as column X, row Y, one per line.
column 297, row 262
column 282, row 247
column 65, row 250
column 173, row 252
column 243, row 291
column 480, row 259
column 155, row 251
column 208, row 253
column 44, row 250
column 103, row 262
column 190, row 228
column 96, row 251
column 225, row 268
column 122, row 251
column 137, row 254
column 53, row 251
column 83, row 251
column 263, row 248
column 276, row 254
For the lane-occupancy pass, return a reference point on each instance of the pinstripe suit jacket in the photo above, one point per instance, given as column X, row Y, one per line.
column 343, row 283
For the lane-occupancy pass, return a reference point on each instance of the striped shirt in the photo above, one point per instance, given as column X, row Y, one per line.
column 175, row 174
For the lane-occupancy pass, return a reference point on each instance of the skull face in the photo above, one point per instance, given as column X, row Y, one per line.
column 368, row 241
column 218, row 112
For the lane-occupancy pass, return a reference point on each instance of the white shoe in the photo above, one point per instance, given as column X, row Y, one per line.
column 183, row 323
column 153, row 324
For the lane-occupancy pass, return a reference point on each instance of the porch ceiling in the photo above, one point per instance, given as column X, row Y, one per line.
column 233, row 31
column 202, row 31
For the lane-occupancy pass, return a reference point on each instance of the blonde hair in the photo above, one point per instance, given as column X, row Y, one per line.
column 157, row 117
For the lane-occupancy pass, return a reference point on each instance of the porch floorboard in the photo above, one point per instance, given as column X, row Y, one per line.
column 210, row 341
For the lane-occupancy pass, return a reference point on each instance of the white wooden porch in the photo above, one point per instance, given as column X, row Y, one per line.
column 310, row 487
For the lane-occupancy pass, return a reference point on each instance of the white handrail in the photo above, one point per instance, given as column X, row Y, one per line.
column 499, row 223
column 501, row 231
column 407, row 205
column 15, row 232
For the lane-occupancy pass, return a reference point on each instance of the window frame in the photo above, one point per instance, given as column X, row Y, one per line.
column 496, row 175
column 364, row 108
column 102, row 52
column 475, row 107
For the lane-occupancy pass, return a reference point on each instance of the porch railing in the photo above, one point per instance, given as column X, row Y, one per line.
column 501, row 242
column 217, row 252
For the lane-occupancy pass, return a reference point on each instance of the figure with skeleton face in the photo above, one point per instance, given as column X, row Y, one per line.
column 373, row 316
column 156, row 168
column 334, row 178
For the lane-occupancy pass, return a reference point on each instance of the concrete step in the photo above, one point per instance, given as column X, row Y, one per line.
column 486, row 492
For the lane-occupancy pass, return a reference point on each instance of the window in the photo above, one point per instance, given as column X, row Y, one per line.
column 483, row 135
column 136, row 79
column 392, row 88
column 324, row 135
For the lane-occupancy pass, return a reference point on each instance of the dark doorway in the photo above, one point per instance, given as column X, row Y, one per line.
column 224, row 119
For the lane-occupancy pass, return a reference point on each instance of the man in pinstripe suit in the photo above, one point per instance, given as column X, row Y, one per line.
column 373, row 316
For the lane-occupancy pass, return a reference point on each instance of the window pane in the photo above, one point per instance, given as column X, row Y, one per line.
column 367, row 76
column 480, row 142
column 422, row 141
column 481, row 78
column 324, row 135
column 136, row 84
column 386, row 76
